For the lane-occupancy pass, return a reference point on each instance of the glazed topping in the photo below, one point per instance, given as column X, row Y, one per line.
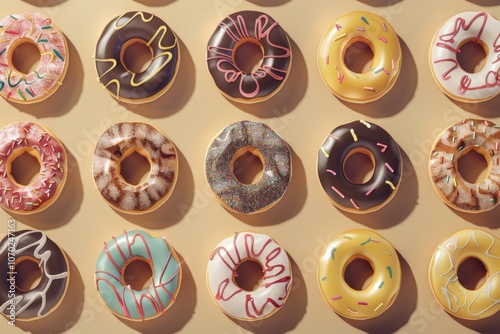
column 457, row 140
column 117, row 143
column 155, row 34
column 47, row 295
column 276, row 281
column 109, row 271
column 482, row 28
column 385, row 282
column 372, row 30
column 239, row 28
column 276, row 156
column 33, row 138
column 386, row 159
column 460, row 302
column 40, row 31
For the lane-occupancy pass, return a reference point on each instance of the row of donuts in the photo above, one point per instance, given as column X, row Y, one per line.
column 248, row 86
column 123, row 139
column 222, row 270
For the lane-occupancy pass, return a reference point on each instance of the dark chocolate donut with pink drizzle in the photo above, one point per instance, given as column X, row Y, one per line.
column 364, row 138
column 38, row 302
column 249, row 27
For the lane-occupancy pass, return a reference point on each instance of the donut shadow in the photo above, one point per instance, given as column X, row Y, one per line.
column 485, row 2
column 178, row 314
column 380, row 3
column 269, row 3
column 174, row 209
column 174, row 99
column 155, row 3
column 399, row 313
column 289, row 315
column 64, row 207
column 396, row 99
column 67, row 314
column 487, row 109
column 400, row 206
column 45, row 3
column 66, row 96
column 290, row 94
column 486, row 326
column 290, row 204
column 487, row 219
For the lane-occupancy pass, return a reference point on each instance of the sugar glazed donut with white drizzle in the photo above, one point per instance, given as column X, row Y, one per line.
column 119, row 142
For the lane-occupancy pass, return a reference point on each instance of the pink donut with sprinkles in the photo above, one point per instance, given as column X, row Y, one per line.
column 36, row 86
column 31, row 138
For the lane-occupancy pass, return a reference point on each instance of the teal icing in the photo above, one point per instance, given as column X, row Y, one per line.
column 123, row 300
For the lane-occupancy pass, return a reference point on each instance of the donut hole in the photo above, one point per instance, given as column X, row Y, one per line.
column 136, row 55
column 27, row 274
column 135, row 167
column 249, row 275
column 359, row 166
column 248, row 165
column 137, row 273
column 24, row 166
column 472, row 273
column 25, row 56
column 248, row 55
column 358, row 273
column 472, row 56
column 473, row 166
column 358, row 56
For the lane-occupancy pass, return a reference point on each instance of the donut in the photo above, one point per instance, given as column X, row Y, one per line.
column 378, row 296
column 117, row 36
column 249, row 27
column 35, row 246
column 364, row 138
column 454, row 81
column 481, row 136
column 372, row 30
column 117, row 143
column 36, row 86
column 121, row 299
column 272, row 292
column 31, row 138
column 443, row 274
column 231, row 143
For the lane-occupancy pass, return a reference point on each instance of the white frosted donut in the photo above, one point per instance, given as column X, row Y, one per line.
column 454, row 81
column 276, row 280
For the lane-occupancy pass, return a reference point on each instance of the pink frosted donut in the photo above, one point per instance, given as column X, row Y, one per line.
column 31, row 138
column 35, row 29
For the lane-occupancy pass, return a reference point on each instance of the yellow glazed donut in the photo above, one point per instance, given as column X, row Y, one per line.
column 449, row 292
column 454, row 142
column 385, row 283
column 378, row 34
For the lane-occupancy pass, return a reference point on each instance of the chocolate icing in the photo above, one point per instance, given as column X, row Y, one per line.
column 370, row 195
column 54, row 266
column 162, row 70
column 249, row 26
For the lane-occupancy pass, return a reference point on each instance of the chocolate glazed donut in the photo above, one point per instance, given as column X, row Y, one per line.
column 249, row 27
column 127, row 29
column 375, row 142
column 46, row 296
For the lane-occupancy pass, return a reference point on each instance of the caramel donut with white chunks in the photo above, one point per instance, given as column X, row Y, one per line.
column 40, row 301
column 372, row 30
column 453, row 297
column 481, row 136
column 231, row 143
column 117, row 143
column 272, row 292
column 36, row 86
column 452, row 79
column 385, row 283
column 117, row 36
column 17, row 139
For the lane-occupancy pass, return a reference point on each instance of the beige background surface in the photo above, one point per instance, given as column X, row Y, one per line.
column 303, row 113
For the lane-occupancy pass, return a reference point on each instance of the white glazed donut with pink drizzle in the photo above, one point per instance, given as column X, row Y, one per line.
column 454, row 81
column 36, row 86
column 276, row 281
column 31, row 138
